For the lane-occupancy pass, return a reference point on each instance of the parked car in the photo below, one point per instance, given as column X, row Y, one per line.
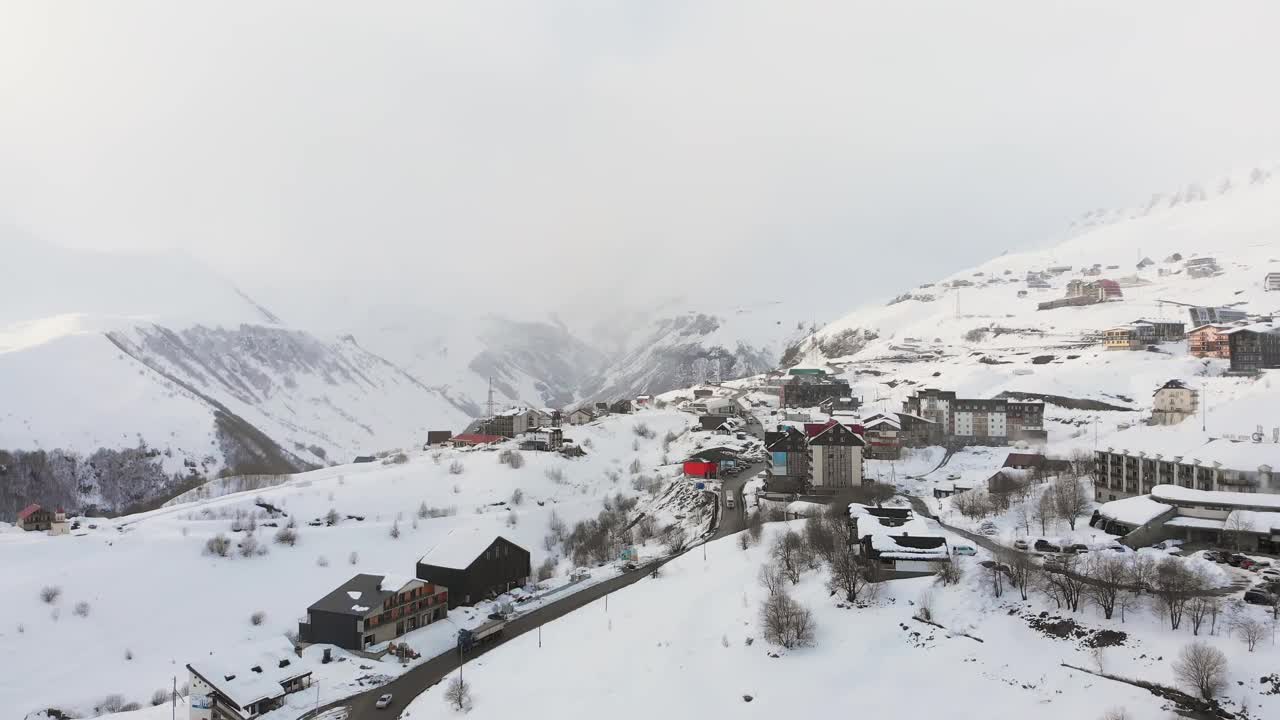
column 383, row 701
column 1021, row 544
column 963, row 550
column 1258, row 596
column 1235, row 559
column 988, row 528
column 1117, row 547
column 1045, row 546
column 1269, row 574
column 1076, row 548
column 1246, row 564
column 1210, row 555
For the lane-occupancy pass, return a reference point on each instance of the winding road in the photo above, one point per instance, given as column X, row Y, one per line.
column 417, row 680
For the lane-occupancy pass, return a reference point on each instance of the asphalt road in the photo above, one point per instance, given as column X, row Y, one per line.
column 413, row 683
column 416, row 681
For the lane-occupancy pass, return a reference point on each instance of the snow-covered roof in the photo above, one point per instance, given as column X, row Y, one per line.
column 252, row 675
column 1179, row 494
column 1193, row 446
column 804, row 508
column 911, row 547
column 393, row 583
column 1135, row 511
column 1198, row 523
column 459, row 548
column 1254, row 521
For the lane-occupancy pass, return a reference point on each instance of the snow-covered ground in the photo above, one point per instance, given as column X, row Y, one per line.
column 703, row 655
column 156, row 601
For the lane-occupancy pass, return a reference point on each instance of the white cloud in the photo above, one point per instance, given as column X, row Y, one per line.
column 474, row 151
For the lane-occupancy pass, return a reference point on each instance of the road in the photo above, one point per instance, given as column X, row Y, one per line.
column 416, row 681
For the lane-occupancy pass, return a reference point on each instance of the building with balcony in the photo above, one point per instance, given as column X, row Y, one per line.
column 369, row 610
column 1216, row 465
column 1173, row 403
column 1248, row 522
column 1254, row 347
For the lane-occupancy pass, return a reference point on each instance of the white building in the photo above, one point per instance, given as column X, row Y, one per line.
column 1271, row 282
column 1173, row 403
column 245, row 685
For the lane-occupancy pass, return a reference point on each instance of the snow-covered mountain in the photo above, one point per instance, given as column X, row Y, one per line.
column 176, row 375
column 980, row 332
column 691, row 347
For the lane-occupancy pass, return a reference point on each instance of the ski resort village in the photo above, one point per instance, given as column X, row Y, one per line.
column 1049, row 484
column 629, row 360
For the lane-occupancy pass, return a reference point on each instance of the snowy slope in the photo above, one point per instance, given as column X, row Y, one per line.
column 981, row 339
column 689, row 645
column 152, row 592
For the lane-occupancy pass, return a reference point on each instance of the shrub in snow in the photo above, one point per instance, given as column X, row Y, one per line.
column 113, row 703
column 1201, row 667
column 396, row 459
column 82, row 609
column 256, row 618
column 458, row 694
column 395, row 531
column 1117, row 713
column 634, row 467
column 517, row 497
column 331, row 518
column 50, row 594
column 787, row 623
column 546, row 570
column 322, row 561
column 160, row 697
column 218, row 545
column 512, row 519
column 248, row 546
column 924, row 605
column 675, row 540
column 744, row 541
column 128, row 654
column 511, row 458
column 353, row 558
column 642, row 430
column 456, row 468
column 287, row 536
column 1249, row 628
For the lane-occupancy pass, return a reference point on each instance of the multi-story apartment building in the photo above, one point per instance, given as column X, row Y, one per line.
column 1210, row 341
column 1216, row 465
column 1254, row 347
column 835, row 458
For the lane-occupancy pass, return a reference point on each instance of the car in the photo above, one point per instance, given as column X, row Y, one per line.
column 1269, row 573
column 963, row 550
column 1076, row 548
column 1045, row 546
column 988, row 528
column 383, row 701
column 1021, row 544
column 1210, row 555
column 1258, row 596
column 1117, row 547
column 628, row 567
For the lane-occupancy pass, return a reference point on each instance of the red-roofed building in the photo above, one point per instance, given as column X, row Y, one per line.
column 34, row 517
column 469, row 439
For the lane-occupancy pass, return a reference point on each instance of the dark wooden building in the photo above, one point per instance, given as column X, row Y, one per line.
column 1254, row 347
column 475, row 566
column 439, row 437
column 369, row 610
column 788, row 468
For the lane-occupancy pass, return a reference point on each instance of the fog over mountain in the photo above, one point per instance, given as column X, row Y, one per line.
column 550, row 155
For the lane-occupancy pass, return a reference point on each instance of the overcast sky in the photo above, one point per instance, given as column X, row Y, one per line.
column 473, row 152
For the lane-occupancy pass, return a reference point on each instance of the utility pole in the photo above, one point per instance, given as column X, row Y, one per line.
column 173, row 699
column 490, row 403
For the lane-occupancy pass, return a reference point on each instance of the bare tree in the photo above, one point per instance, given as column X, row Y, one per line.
column 820, row 537
column 395, row 531
column 1064, row 584
column 787, row 623
column 458, row 694
column 1250, row 629
column 1107, row 574
column 1069, row 499
column 772, row 578
column 82, row 609
column 995, row 573
column 456, row 467
column 1045, row 513
column 50, row 594
column 218, row 545
column 286, row 536
column 1198, row 609
column 851, row 575
column 1142, row 572
column 1202, row 668
column 925, row 604
column 1173, row 586
column 755, row 526
column 948, row 573
column 1024, row 573
column 257, row 617
column 1127, row 600
column 1238, row 527
column 788, row 551
column 675, row 540
column 1116, row 713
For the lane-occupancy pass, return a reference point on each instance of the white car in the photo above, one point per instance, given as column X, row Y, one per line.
column 383, row 701
column 1269, row 573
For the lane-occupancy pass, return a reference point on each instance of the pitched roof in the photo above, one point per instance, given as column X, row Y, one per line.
column 715, row 454
column 460, row 548
column 837, row 434
column 1023, row 460
column 477, row 438
column 1173, row 385
column 360, row 594
column 246, row 677
column 27, row 511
